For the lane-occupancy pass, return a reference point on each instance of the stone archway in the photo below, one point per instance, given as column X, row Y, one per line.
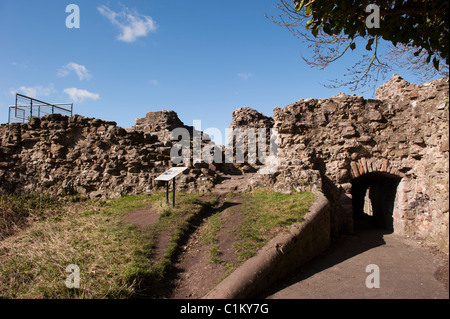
column 374, row 191
column 373, row 198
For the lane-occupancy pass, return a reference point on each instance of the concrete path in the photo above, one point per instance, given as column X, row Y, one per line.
column 406, row 271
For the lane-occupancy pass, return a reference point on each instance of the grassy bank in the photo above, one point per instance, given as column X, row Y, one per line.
column 18, row 210
column 117, row 259
column 265, row 214
column 262, row 214
column 114, row 258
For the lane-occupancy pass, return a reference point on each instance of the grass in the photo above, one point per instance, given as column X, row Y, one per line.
column 209, row 237
column 116, row 260
column 17, row 211
column 265, row 214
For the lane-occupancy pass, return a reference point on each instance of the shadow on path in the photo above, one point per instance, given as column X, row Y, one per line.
column 406, row 270
column 365, row 237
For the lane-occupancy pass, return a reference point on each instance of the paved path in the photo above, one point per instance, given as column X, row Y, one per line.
column 406, row 271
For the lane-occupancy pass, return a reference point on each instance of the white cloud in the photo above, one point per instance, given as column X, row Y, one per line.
column 80, row 70
column 245, row 76
column 35, row 91
column 131, row 24
column 79, row 95
column 153, row 82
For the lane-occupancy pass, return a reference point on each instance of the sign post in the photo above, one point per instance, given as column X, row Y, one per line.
column 168, row 176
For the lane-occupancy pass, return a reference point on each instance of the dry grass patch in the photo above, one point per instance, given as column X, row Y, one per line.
column 115, row 259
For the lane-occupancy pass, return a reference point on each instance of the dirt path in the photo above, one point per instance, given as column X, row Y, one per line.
column 142, row 217
column 196, row 273
column 232, row 183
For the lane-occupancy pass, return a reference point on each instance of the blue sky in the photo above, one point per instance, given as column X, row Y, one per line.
column 201, row 58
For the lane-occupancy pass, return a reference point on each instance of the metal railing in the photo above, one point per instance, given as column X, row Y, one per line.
column 27, row 107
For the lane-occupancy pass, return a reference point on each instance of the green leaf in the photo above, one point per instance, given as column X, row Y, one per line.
column 299, row 5
column 308, row 24
column 308, row 10
column 315, row 32
column 353, row 46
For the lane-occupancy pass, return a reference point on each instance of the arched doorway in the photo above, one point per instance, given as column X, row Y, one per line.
column 373, row 198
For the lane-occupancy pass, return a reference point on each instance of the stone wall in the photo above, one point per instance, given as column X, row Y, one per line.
column 94, row 158
column 249, row 121
column 160, row 124
column 327, row 143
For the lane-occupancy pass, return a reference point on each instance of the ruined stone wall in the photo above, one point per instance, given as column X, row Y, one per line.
column 247, row 121
column 160, row 124
column 94, row 158
column 325, row 143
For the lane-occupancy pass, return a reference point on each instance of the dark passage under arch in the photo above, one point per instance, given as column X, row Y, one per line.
column 373, row 198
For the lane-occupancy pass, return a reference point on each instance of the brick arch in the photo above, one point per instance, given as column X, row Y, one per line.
column 365, row 166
